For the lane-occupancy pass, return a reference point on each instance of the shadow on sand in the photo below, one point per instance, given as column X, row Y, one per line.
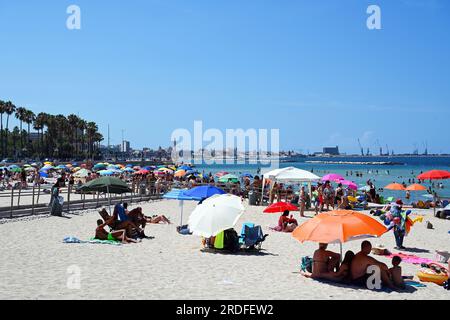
column 415, row 250
column 408, row 288
column 261, row 252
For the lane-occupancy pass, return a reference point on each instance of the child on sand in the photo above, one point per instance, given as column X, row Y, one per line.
column 396, row 273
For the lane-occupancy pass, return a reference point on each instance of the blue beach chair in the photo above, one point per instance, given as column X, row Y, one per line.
column 253, row 237
column 242, row 235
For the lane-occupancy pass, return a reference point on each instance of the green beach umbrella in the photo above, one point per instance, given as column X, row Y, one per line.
column 229, row 178
column 106, row 185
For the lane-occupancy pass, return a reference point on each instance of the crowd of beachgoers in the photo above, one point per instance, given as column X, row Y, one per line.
column 332, row 195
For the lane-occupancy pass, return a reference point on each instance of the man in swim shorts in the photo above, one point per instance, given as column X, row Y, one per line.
column 362, row 261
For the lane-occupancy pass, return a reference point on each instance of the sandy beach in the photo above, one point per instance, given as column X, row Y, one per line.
column 34, row 262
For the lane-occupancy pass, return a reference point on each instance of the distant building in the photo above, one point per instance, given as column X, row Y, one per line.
column 334, row 151
column 125, row 146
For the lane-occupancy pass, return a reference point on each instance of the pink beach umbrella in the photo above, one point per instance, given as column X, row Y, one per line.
column 333, row 177
column 221, row 174
column 349, row 184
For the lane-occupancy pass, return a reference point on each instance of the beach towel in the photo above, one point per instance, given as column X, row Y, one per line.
column 91, row 241
column 410, row 258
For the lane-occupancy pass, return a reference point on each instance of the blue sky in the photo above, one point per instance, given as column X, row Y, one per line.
column 310, row 68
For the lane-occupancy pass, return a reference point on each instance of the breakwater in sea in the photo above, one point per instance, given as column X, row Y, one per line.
column 378, row 163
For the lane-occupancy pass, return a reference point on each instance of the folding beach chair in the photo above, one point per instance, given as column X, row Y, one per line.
column 241, row 237
column 253, row 237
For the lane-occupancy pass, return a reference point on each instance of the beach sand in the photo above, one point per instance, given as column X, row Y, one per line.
column 34, row 262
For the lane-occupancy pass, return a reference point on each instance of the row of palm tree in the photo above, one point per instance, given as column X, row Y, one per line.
column 58, row 136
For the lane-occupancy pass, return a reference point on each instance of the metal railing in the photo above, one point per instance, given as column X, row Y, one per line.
column 35, row 199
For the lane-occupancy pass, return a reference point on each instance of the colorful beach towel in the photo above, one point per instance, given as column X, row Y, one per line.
column 410, row 258
column 91, row 241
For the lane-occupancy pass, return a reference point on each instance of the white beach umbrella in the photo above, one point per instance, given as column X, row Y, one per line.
column 447, row 207
column 82, row 173
column 216, row 214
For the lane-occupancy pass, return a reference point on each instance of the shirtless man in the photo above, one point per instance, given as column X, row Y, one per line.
column 362, row 261
column 325, row 263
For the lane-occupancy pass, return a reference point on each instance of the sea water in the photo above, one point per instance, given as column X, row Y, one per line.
column 380, row 175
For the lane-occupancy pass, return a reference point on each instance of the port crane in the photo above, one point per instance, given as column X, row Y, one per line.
column 379, row 146
column 361, row 148
column 425, row 145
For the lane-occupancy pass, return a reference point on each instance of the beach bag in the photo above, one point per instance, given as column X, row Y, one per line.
column 306, row 264
column 231, row 240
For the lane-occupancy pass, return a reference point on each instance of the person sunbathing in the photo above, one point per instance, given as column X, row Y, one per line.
column 158, row 219
column 138, row 218
column 119, row 235
column 325, row 263
column 362, row 261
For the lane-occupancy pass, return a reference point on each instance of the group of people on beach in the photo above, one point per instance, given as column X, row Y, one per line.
column 354, row 268
column 126, row 225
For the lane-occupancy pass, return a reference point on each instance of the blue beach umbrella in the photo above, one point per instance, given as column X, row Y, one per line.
column 178, row 194
column 203, row 192
column 99, row 166
column 247, row 175
column 106, row 172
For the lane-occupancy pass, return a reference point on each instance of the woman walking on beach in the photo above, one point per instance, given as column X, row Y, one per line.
column 302, row 200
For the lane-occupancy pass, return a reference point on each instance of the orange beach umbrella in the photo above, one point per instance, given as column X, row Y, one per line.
column 339, row 226
column 416, row 187
column 395, row 186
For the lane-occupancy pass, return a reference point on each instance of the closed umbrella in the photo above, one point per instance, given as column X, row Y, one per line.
column 216, row 214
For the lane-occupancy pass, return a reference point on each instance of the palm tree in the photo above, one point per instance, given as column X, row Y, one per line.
column 74, row 121
column 29, row 119
column 20, row 115
column 38, row 125
column 91, row 129
column 10, row 108
column 82, row 125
